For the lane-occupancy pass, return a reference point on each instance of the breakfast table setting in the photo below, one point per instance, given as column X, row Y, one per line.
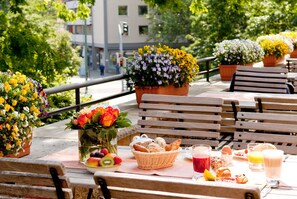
column 81, row 176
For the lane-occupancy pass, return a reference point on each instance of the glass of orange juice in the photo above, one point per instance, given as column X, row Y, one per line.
column 255, row 158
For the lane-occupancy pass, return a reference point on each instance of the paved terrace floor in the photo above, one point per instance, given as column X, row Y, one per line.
column 52, row 138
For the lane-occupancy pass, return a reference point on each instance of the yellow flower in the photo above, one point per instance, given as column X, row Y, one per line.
column 2, row 100
column 13, row 82
column 8, row 146
column 24, row 92
column 22, row 116
column 7, row 107
column 14, row 102
column 1, row 154
column 8, row 126
column 7, row 87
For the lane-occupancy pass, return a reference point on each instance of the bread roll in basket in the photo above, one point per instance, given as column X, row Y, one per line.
column 156, row 160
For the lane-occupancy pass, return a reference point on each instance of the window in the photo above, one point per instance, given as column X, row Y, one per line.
column 142, row 10
column 143, row 30
column 123, row 10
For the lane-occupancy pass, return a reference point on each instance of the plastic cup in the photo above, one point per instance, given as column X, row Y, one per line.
column 255, row 158
column 201, row 159
column 273, row 160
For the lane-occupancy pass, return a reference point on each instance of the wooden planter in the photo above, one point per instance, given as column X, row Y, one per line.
column 165, row 90
column 271, row 61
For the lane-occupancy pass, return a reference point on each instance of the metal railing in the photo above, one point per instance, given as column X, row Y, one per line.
column 77, row 86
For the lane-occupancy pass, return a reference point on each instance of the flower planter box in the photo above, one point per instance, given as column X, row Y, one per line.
column 165, row 90
column 270, row 61
column 227, row 71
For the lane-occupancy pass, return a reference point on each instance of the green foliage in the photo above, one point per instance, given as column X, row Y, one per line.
column 33, row 43
column 164, row 23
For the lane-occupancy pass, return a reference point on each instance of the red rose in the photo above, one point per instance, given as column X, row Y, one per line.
column 107, row 119
column 82, row 120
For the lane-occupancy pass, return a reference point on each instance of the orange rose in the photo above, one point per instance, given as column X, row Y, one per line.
column 114, row 111
column 82, row 120
column 107, row 119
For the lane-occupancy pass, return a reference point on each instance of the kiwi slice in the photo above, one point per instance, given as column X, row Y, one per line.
column 107, row 161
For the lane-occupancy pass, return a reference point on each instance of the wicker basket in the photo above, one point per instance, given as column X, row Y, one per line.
column 155, row 160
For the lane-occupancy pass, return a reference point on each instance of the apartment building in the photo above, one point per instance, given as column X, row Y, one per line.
column 105, row 36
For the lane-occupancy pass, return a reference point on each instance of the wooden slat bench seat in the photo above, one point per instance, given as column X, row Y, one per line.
column 262, row 80
column 22, row 178
column 278, row 129
column 123, row 185
column 193, row 119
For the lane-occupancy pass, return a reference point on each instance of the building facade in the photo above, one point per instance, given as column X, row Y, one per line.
column 114, row 27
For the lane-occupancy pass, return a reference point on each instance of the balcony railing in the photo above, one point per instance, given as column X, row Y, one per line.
column 77, row 86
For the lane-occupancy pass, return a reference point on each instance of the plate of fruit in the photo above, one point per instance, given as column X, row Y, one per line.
column 103, row 161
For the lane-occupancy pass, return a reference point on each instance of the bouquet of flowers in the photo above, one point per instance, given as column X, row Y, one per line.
column 98, row 127
column 22, row 102
column 275, row 45
column 161, row 66
column 236, row 51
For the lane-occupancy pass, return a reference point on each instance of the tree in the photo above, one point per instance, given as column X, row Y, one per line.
column 33, row 42
column 170, row 26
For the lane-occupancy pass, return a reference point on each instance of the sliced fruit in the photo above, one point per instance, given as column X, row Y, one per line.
column 106, row 161
column 93, row 161
column 226, row 150
column 209, row 176
column 117, row 160
column 111, row 155
column 264, row 146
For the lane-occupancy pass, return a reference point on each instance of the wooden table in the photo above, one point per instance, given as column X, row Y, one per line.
column 80, row 177
column 245, row 99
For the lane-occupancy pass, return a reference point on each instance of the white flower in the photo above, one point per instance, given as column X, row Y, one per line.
column 26, row 109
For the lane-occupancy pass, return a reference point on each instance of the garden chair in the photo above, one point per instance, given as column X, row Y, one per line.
column 123, row 185
column 193, row 119
column 22, row 178
column 261, row 80
column 275, row 128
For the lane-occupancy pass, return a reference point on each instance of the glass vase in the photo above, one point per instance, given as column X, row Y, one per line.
column 91, row 142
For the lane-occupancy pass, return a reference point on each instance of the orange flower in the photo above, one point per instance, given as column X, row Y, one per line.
column 82, row 120
column 107, row 119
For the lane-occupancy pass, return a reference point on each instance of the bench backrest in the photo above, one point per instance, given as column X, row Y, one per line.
column 229, row 116
column 262, row 80
column 193, row 119
column 123, row 185
column 21, row 178
column 278, row 129
column 281, row 105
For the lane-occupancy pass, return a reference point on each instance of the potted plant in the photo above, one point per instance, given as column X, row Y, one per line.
column 97, row 129
column 231, row 53
column 292, row 36
column 161, row 70
column 22, row 102
column 275, row 48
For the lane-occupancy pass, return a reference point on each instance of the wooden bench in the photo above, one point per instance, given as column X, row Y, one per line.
column 281, row 105
column 193, row 119
column 262, row 80
column 123, row 185
column 22, row 178
column 278, row 129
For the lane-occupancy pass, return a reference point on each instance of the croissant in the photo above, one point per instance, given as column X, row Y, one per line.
column 173, row 146
column 223, row 172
